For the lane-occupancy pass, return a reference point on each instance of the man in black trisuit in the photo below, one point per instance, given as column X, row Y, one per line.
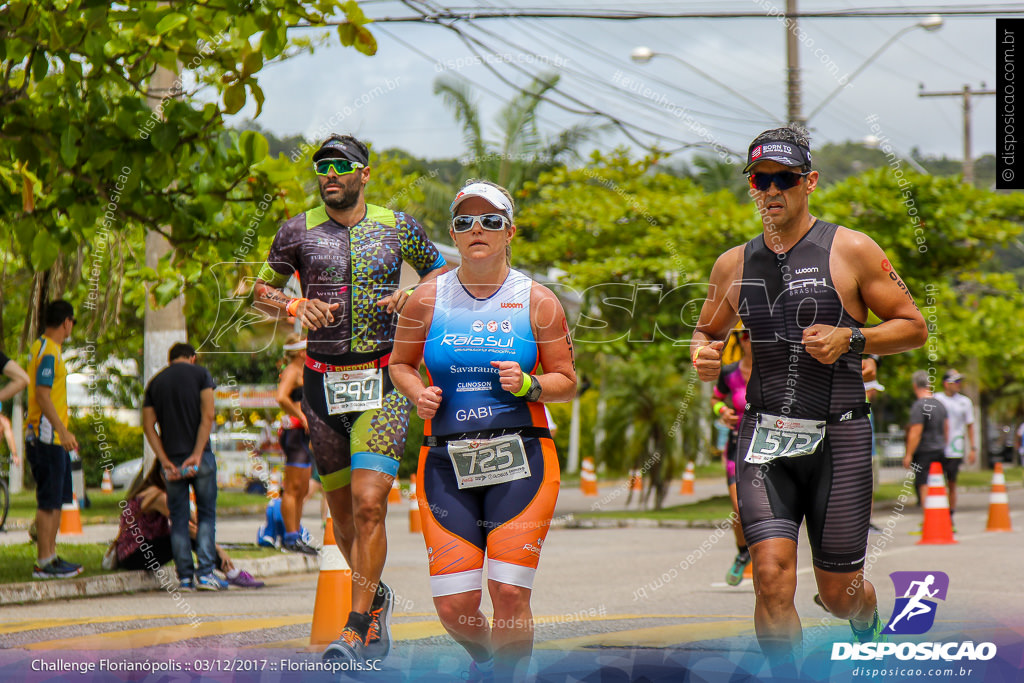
column 804, row 288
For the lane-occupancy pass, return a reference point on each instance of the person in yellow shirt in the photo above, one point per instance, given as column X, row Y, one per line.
column 47, row 439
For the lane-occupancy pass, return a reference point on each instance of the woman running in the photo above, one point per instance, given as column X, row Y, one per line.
column 295, row 444
column 488, row 468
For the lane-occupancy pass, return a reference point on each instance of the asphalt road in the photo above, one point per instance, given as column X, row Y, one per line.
column 610, row 604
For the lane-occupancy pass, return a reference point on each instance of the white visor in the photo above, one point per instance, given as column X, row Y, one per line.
column 873, row 384
column 488, row 192
column 301, row 344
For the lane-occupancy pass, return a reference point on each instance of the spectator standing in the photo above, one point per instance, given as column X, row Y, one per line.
column 179, row 399
column 960, row 413
column 47, row 439
column 926, row 435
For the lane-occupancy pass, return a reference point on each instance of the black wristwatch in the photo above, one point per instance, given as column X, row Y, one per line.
column 857, row 340
column 534, row 393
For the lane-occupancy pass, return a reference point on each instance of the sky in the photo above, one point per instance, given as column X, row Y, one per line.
column 718, row 84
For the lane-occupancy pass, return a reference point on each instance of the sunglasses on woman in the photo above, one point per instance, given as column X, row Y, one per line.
column 489, row 221
column 783, row 180
column 340, row 166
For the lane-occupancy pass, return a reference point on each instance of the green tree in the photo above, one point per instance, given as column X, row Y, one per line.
column 90, row 156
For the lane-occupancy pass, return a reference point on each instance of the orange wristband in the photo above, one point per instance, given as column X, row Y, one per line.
column 293, row 306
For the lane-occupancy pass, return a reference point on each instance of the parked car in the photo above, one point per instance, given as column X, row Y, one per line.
column 122, row 475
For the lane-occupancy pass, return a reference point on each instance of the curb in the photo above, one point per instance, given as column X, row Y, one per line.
column 21, row 524
column 140, row 580
column 639, row 523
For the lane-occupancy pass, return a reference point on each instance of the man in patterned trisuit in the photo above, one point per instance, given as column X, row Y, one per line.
column 348, row 256
column 804, row 288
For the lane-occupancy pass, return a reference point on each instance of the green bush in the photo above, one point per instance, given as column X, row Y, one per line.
column 104, row 442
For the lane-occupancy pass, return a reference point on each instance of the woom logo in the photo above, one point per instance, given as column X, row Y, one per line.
column 510, row 304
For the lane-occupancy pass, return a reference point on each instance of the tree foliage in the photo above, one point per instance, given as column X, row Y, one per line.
column 93, row 152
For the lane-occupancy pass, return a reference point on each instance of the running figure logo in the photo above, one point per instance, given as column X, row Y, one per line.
column 914, row 613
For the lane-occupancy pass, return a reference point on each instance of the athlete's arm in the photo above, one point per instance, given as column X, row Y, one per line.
column 717, row 316
column 554, row 346
column 289, row 380
column 882, row 292
column 400, row 297
column 19, row 380
column 312, row 313
column 407, row 352
column 419, row 252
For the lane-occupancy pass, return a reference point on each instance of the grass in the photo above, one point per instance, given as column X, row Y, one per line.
column 710, row 509
column 105, row 506
column 17, row 560
column 719, row 507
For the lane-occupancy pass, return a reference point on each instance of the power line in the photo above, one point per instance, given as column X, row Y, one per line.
column 613, row 15
column 588, row 110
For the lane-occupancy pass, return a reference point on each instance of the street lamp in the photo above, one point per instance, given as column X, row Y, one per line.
column 643, row 54
column 931, row 23
column 872, row 142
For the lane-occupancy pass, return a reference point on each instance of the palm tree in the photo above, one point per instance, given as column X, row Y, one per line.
column 520, row 151
column 650, row 419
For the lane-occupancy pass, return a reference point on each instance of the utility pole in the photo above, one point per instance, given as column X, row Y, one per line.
column 793, row 105
column 966, row 93
column 164, row 326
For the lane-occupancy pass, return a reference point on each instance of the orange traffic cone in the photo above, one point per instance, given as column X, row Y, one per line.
column 395, row 494
column 107, row 486
column 998, row 503
column 636, row 480
column 333, row 592
column 415, row 524
column 588, row 478
column 938, row 525
column 687, row 488
column 70, row 519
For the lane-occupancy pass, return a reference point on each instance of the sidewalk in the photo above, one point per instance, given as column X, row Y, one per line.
column 233, row 530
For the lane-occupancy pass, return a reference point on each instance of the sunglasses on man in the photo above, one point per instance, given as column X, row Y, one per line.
column 783, row 180
column 340, row 166
column 488, row 221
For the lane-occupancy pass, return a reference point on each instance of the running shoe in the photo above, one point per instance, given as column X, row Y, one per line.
column 300, row 546
column 186, row 585
column 475, row 675
column 734, row 576
column 347, row 648
column 378, row 638
column 67, row 566
column 54, row 570
column 210, row 583
column 872, row 634
column 245, row 580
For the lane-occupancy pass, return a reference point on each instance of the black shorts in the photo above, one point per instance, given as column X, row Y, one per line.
column 830, row 488
column 295, row 444
column 924, row 460
column 370, row 439
column 51, row 468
